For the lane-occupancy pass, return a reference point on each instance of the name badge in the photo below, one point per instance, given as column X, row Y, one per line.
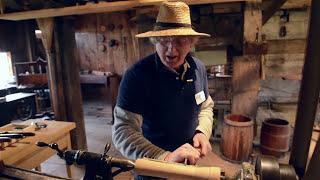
column 200, row 97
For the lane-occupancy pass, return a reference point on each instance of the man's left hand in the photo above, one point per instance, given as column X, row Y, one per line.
column 201, row 142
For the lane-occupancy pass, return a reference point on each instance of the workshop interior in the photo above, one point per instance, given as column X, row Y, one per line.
column 63, row 64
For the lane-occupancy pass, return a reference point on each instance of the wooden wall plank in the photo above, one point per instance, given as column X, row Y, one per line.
column 144, row 24
column 116, row 33
column 245, row 85
column 291, row 46
column 296, row 27
column 246, row 69
column 271, row 9
column 285, row 66
column 30, row 39
column 292, row 4
column 252, row 22
column 13, row 40
column 86, row 41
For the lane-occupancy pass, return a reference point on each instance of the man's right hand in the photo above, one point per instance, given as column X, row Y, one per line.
column 184, row 152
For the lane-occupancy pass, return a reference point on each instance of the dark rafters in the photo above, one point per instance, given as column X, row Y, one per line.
column 274, row 6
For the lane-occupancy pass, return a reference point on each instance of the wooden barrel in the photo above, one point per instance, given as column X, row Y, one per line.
column 237, row 137
column 275, row 137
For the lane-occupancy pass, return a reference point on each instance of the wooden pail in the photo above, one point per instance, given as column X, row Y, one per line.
column 275, row 137
column 237, row 137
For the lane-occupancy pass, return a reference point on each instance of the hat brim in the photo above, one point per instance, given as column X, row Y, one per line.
column 172, row 32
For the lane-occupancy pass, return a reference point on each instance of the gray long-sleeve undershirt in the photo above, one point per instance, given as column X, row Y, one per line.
column 128, row 138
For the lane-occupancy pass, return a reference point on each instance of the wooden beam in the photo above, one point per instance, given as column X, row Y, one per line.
column 30, row 40
column 308, row 101
column 246, row 69
column 290, row 46
column 271, row 9
column 245, row 85
column 65, row 47
column 294, row 4
column 114, row 88
column 289, row 4
column 252, row 24
column 46, row 25
column 100, row 7
column 1, row 6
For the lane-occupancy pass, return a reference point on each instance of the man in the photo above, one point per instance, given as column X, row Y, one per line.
column 164, row 110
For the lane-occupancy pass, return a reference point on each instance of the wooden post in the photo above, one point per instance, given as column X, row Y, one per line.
column 1, row 7
column 252, row 25
column 271, row 9
column 67, row 62
column 54, row 69
column 246, row 70
column 114, row 87
column 308, row 102
column 30, row 39
column 1, row 165
column 245, row 85
column 144, row 23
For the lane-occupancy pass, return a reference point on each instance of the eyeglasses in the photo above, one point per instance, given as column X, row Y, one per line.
column 177, row 41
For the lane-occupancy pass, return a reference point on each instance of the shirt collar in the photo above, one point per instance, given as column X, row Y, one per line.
column 188, row 63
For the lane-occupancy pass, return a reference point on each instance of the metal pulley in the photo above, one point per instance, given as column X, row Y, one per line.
column 268, row 168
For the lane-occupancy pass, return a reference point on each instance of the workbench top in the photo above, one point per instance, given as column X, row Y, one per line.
column 24, row 153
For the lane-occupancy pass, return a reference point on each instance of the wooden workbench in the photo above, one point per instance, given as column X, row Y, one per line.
column 25, row 154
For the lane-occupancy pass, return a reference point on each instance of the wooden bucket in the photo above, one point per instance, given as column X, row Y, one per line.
column 237, row 137
column 275, row 137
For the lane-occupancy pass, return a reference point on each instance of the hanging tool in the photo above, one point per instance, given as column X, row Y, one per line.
column 25, row 134
column 12, row 136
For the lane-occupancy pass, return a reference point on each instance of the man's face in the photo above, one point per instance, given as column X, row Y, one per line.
column 173, row 50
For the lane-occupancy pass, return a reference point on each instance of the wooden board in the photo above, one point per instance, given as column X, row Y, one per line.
column 26, row 154
column 247, row 69
column 11, row 172
column 252, row 22
column 100, row 7
column 93, row 79
column 116, row 28
column 86, row 41
column 296, row 27
column 287, row 66
column 290, row 46
column 13, row 40
column 245, row 84
column 67, row 62
column 290, row 4
column 34, row 79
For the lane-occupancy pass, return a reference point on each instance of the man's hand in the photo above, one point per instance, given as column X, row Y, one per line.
column 184, row 152
column 200, row 141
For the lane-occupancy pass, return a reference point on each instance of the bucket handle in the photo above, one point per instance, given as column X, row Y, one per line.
column 271, row 114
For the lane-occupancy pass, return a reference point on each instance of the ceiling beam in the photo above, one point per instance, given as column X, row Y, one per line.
column 271, row 9
column 100, row 7
column 293, row 4
column 1, row 7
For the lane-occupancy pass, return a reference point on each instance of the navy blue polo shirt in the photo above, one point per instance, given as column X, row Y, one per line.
column 165, row 100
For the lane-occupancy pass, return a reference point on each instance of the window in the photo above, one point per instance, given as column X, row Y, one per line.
column 6, row 75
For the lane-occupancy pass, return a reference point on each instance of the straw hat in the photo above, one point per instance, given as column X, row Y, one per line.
column 173, row 20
